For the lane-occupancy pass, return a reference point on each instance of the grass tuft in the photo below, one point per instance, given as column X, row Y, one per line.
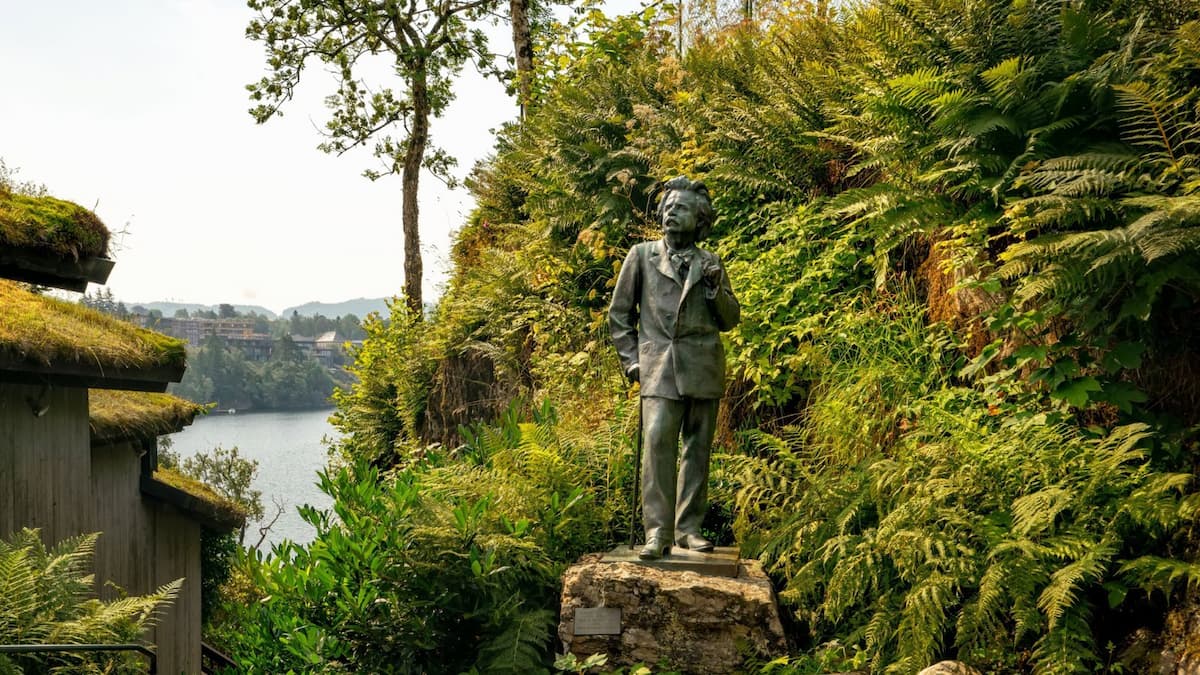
column 47, row 331
column 219, row 507
column 50, row 226
column 115, row 415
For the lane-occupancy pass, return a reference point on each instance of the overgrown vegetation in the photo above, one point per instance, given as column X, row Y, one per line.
column 43, row 330
column 446, row 564
column 49, row 599
column 962, row 421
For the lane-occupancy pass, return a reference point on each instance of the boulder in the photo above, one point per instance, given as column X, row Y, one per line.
column 949, row 668
column 691, row 622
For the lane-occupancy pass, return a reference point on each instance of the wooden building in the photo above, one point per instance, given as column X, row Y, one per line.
column 151, row 518
column 77, row 448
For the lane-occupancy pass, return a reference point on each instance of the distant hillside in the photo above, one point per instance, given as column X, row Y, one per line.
column 168, row 309
column 359, row 307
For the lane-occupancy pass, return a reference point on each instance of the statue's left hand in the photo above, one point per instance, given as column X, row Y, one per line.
column 712, row 274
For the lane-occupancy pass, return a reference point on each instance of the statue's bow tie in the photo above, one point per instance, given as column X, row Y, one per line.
column 682, row 261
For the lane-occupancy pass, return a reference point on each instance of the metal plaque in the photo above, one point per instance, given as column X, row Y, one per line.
column 597, row 620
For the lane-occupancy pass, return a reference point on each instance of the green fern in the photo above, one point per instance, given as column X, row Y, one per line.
column 521, row 646
column 45, row 597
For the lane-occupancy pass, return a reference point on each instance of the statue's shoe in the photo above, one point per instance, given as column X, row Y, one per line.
column 655, row 549
column 694, row 542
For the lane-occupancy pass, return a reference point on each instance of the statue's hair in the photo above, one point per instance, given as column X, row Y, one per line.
column 704, row 219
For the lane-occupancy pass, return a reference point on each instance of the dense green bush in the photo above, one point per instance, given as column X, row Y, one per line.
column 448, row 564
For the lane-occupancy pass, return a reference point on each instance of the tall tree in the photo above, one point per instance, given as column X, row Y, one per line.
column 427, row 43
column 518, row 11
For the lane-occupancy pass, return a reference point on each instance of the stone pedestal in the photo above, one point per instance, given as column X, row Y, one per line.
column 693, row 622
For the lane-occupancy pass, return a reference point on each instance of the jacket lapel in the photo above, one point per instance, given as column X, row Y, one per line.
column 694, row 274
column 662, row 261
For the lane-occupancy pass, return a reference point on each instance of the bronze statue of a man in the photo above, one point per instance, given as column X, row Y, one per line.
column 671, row 301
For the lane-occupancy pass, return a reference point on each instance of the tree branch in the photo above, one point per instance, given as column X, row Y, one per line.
column 280, row 505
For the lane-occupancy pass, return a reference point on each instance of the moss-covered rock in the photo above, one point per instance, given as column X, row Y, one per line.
column 52, row 227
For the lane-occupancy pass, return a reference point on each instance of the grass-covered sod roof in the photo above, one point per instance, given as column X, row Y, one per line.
column 118, row 415
column 47, row 335
column 202, row 500
column 52, row 227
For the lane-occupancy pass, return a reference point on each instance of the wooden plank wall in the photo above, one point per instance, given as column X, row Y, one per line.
column 122, row 554
column 45, row 462
column 52, row 479
column 177, row 553
column 145, row 545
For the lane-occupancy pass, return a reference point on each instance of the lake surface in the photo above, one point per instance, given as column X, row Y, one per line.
column 290, row 452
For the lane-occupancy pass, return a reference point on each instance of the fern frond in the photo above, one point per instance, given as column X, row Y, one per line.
column 1154, row 120
column 521, row 646
column 926, row 617
column 1154, row 573
column 1037, row 512
column 1070, row 647
column 1066, row 582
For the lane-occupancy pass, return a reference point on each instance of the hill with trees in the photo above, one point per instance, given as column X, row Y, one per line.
column 357, row 307
column 962, row 418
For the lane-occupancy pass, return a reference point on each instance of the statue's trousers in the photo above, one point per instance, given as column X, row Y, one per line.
column 674, row 501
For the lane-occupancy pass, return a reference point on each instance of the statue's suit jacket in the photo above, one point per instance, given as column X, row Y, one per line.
column 677, row 348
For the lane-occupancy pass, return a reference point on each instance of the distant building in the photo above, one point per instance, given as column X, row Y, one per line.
column 194, row 331
column 305, row 343
column 328, row 348
column 256, row 346
column 237, row 333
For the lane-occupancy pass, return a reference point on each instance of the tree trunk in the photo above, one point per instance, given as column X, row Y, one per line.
column 523, row 49
column 410, row 179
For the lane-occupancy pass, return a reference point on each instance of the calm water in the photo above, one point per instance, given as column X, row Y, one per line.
column 289, row 451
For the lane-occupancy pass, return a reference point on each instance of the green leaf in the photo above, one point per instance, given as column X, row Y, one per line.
column 1125, row 355
column 1116, row 593
column 1121, row 394
column 1075, row 392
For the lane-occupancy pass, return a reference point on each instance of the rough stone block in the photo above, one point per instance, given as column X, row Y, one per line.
column 691, row 622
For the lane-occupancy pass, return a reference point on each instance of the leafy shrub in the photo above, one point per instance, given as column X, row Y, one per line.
column 446, row 564
column 399, row 582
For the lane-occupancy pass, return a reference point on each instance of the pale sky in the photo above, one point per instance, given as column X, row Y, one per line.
column 137, row 108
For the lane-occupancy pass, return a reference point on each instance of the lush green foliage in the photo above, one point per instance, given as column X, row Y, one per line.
column 964, row 390
column 448, row 564
column 949, row 525
column 47, row 597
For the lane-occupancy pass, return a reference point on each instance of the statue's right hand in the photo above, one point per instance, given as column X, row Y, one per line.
column 634, row 373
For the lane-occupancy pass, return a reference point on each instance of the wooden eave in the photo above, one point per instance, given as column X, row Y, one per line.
column 89, row 375
column 45, row 270
column 194, row 507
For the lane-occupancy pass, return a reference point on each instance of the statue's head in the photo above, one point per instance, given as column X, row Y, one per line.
column 685, row 211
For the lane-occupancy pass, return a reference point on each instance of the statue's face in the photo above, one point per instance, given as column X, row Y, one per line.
column 680, row 215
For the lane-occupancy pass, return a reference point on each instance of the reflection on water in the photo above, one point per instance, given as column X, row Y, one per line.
column 289, row 451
